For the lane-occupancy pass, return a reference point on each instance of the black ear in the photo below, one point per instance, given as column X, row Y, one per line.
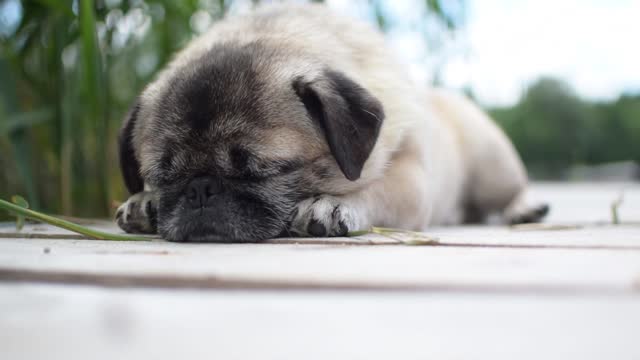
column 129, row 164
column 347, row 113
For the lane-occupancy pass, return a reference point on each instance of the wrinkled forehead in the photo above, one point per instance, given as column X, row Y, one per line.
column 225, row 106
column 213, row 96
column 230, row 91
column 217, row 128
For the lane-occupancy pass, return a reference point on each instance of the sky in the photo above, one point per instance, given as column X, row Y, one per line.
column 506, row 44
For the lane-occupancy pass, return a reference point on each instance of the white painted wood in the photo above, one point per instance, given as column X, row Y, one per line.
column 585, row 236
column 374, row 265
column 68, row 323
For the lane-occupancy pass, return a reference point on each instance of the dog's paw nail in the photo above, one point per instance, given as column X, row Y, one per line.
column 316, row 228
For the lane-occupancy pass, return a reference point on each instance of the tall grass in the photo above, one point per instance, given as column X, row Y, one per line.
column 68, row 72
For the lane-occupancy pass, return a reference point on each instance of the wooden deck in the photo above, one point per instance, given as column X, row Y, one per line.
column 567, row 290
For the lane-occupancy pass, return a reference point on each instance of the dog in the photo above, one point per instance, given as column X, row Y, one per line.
column 294, row 121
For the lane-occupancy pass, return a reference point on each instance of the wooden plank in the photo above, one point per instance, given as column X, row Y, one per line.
column 327, row 265
column 70, row 323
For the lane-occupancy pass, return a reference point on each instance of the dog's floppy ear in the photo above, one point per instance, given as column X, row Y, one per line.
column 129, row 164
column 347, row 113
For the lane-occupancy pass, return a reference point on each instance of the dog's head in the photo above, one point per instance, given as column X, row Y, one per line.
column 230, row 142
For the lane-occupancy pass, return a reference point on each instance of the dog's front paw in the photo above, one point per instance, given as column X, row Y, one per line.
column 325, row 215
column 138, row 214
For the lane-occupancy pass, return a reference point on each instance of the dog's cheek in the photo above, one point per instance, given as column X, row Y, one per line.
column 167, row 205
column 276, row 203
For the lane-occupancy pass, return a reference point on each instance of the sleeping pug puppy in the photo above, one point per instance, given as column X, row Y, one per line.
column 295, row 121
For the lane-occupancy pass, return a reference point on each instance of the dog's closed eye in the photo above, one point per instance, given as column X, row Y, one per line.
column 262, row 170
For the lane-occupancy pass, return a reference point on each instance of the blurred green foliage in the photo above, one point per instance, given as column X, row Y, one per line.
column 69, row 70
column 553, row 129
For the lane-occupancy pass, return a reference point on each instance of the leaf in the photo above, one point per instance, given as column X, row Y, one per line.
column 20, row 201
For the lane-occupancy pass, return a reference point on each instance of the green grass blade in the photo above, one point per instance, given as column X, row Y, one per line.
column 20, row 201
column 95, row 96
column 94, row 234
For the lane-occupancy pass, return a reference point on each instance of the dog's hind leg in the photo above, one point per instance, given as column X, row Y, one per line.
column 496, row 178
column 518, row 210
column 501, row 189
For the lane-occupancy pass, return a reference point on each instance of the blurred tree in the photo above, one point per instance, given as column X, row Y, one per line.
column 618, row 131
column 76, row 67
column 553, row 129
column 550, row 127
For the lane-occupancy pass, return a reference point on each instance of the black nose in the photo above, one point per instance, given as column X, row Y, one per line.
column 201, row 190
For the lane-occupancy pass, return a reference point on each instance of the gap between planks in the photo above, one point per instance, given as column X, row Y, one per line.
column 211, row 282
column 351, row 242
